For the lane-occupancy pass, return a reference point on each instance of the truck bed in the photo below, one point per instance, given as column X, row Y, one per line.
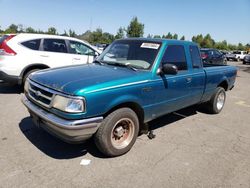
column 218, row 74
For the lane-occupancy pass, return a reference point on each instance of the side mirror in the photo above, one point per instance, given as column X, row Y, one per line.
column 169, row 69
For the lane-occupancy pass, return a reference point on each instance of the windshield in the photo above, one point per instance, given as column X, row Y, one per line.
column 135, row 53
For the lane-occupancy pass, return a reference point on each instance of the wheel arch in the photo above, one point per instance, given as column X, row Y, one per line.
column 133, row 106
column 31, row 67
column 223, row 84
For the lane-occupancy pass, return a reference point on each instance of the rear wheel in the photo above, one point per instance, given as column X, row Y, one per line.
column 118, row 132
column 216, row 103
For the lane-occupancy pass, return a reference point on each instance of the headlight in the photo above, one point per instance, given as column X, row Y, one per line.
column 71, row 105
column 26, row 85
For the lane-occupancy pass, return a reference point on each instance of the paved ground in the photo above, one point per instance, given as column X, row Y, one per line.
column 191, row 149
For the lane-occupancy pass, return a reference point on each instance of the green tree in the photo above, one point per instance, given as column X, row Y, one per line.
column 72, row 33
column 86, row 36
column 157, row 36
column 52, row 31
column 135, row 28
column 150, row 36
column 182, row 38
column 30, row 30
column 12, row 29
column 198, row 39
column 65, row 34
column 120, row 33
column 168, row 36
column 175, row 36
column 107, row 38
column 240, row 47
column 20, row 28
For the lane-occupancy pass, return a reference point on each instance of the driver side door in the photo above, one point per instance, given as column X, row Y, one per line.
column 172, row 91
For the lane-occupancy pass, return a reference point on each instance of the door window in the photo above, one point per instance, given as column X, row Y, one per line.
column 79, row 48
column 54, row 45
column 175, row 54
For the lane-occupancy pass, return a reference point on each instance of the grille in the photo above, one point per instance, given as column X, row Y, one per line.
column 40, row 94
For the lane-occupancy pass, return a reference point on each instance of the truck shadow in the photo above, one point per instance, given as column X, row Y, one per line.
column 174, row 117
column 58, row 149
column 54, row 147
column 10, row 89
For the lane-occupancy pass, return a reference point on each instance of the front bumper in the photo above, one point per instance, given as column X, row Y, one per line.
column 72, row 131
column 8, row 78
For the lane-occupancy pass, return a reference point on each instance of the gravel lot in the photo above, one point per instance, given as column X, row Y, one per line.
column 191, row 149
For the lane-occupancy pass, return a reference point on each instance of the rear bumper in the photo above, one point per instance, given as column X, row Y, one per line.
column 72, row 131
column 9, row 78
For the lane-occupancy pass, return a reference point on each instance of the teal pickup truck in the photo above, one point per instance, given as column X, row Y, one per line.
column 131, row 83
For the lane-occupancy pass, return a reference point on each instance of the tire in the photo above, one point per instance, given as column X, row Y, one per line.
column 217, row 101
column 244, row 63
column 117, row 133
column 28, row 73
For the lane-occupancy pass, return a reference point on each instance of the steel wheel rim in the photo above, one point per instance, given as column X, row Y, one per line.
column 220, row 100
column 122, row 133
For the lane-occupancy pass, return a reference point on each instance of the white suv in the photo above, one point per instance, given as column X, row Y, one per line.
column 22, row 54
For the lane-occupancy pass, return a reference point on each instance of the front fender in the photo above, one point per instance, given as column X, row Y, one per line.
column 122, row 100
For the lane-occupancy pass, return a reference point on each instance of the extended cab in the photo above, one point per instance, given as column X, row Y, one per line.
column 131, row 83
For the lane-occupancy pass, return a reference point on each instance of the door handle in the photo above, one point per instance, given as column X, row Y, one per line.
column 189, row 79
column 76, row 58
column 44, row 56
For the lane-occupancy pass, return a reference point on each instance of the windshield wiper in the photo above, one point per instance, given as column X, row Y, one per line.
column 122, row 65
column 98, row 62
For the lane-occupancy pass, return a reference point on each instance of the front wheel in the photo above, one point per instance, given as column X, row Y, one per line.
column 118, row 132
column 216, row 103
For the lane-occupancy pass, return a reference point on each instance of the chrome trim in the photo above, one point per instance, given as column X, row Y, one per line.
column 42, row 95
column 68, row 130
column 41, row 103
column 54, row 93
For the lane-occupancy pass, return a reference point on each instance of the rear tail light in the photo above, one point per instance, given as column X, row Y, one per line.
column 204, row 56
column 4, row 48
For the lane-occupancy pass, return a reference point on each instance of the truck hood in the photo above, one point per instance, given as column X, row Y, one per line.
column 71, row 79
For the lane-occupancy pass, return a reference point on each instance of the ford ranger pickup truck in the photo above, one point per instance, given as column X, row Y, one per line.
column 131, row 83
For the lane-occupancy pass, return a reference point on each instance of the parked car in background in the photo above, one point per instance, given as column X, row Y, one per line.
column 101, row 47
column 237, row 55
column 213, row 56
column 246, row 59
column 22, row 54
column 133, row 82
